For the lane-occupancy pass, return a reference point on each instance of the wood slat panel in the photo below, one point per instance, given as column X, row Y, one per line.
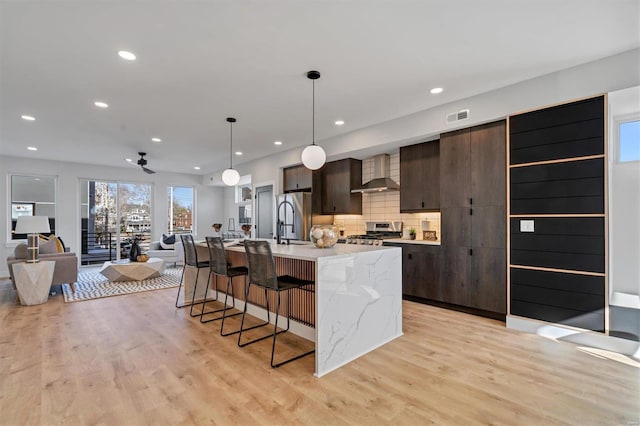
column 561, row 243
column 586, row 320
column 302, row 306
column 563, row 188
column 583, row 110
column 577, row 139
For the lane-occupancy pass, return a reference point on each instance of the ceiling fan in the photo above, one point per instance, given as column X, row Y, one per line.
column 142, row 162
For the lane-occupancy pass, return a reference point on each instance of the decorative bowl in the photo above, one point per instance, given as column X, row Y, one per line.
column 324, row 236
column 142, row 258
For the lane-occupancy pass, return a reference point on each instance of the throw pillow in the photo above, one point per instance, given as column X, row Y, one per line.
column 60, row 248
column 21, row 251
column 48, row 247
column 168, row 241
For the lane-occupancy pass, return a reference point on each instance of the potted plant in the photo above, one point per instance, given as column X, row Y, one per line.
column 412, row 233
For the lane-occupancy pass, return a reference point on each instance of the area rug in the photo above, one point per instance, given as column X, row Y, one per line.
column 92, row 285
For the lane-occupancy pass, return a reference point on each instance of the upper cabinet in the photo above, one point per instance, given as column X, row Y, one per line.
column 338, row 178
column 296, row 178
column 420, row 177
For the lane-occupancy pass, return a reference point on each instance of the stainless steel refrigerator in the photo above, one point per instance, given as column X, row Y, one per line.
column 293, row 216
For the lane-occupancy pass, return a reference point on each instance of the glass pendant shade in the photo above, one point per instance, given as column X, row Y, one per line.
column 313, row 157
column 230, row 177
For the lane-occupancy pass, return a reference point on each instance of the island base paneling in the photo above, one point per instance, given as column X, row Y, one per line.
column 302, row 301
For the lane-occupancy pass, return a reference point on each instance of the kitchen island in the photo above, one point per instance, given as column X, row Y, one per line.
column 357, row 303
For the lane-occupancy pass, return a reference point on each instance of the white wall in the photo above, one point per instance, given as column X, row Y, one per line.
column 209, row 199
column 606, row 75
column 624, row 208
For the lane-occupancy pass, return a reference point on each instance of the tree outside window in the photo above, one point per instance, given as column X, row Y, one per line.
column 180, row 215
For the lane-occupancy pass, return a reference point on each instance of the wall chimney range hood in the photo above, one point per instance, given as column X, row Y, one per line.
column 381, row 180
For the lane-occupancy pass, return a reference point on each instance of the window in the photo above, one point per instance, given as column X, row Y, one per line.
column 180, row 218
column 243, row 193
column 34, row 196
column 629, row 140
column 113, row 214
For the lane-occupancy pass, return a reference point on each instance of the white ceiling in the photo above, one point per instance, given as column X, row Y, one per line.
column 202, row 61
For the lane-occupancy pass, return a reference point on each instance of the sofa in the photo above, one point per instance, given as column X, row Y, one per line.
column 175, row 254
column 65, row 271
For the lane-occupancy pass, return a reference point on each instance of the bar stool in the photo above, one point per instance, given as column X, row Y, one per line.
column 191, row 259
column 262, row 272
column 220, row 267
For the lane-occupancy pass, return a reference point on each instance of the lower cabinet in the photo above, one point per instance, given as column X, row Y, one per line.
column 472, row 282
column 421, row 271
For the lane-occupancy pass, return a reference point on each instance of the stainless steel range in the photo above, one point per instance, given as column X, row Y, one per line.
column 377, row 232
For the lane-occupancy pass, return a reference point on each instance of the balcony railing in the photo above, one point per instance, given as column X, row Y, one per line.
column 100, row 247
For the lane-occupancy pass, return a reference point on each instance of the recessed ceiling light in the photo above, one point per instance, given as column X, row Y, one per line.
column 101, row 104
column 238, row 152
column 127, row 55
column 156, row 140
column 32, row 148
column 339, row 122
column 128, row 159
column 436, row 90
column 277, row 143
column 37, row 179
column 28, row 117
column 196, row 167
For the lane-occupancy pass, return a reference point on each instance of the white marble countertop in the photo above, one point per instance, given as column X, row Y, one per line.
column 307, row 251
column 403, row 241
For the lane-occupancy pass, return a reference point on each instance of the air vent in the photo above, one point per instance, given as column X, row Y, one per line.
column 457, row 116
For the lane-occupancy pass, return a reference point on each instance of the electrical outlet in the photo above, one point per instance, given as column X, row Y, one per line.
column 527, row 226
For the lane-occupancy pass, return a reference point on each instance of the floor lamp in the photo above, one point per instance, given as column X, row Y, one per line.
column 32, row 226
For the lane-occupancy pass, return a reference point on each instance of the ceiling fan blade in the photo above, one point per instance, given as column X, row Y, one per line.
column 147, row 170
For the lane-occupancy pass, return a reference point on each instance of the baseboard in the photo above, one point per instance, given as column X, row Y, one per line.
column 459, row 308
column 4, row 273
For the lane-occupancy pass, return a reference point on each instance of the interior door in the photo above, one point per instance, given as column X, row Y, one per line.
column 264, row 211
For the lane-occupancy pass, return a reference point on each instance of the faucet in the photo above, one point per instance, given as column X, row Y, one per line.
column 280, row 224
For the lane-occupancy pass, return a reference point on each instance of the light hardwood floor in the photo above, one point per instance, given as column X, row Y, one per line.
column 135, row 359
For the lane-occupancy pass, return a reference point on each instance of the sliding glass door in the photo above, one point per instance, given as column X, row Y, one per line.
column 113, row 214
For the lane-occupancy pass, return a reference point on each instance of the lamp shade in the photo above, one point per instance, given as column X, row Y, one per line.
column 313, row 157
column 32, row 225
column 230, row 177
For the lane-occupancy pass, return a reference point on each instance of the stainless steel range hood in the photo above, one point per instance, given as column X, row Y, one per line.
column 381, row 180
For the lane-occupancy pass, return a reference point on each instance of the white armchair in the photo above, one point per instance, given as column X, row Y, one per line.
column 175, row 255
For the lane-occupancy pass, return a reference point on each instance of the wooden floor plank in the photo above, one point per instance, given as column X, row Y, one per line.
column 136, row 359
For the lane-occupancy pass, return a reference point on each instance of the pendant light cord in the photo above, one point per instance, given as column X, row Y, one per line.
column 313, row 113
column 230, row 145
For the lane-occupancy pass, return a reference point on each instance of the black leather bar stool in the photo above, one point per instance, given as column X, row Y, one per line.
column 262, row 272
column 191, row 259
column 220, row 267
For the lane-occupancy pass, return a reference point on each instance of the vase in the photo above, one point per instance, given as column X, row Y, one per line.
column 135, row 251
column 324, row 236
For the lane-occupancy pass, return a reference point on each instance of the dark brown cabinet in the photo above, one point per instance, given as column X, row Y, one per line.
column 420, row 270
column 420, row 177
column 296, row 178
column 473, row 220
column 338, row 178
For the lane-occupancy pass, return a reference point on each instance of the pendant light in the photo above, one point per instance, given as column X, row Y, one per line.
column 231, row 176
column 313, row 156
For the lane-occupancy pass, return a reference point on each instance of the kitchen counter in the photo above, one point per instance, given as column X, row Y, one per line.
column 403, row 241
column 307, row 251
column 357, row 303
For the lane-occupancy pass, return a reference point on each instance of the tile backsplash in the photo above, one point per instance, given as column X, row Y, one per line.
column 385, row 206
